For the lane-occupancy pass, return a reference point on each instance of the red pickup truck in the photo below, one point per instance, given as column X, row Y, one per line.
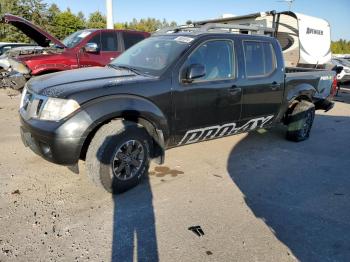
column 85, row 48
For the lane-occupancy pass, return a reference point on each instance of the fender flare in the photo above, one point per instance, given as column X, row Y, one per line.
column 130, row 107
column 305, row 91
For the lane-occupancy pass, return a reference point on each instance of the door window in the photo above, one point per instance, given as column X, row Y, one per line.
column 109, row 41
column 96, row 39
column 217, row 58
column 132, row 38
column 260, row 58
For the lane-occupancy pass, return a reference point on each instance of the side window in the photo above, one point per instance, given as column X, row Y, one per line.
column 131, row 38
column 109, row 41
column 96, row 39
column 260, row 58
column 217, row 57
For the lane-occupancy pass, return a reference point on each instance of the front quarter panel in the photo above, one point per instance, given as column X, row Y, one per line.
column 110, row 107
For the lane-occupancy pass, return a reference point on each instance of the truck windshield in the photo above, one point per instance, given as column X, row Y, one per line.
column 153, row 55
column 75, row 38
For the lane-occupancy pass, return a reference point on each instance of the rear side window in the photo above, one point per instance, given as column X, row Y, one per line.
column 131, row 38
column 260, row 58
column 109, row 41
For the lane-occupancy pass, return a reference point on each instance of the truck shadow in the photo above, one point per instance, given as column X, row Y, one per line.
column 300, row 190
column 134, row 233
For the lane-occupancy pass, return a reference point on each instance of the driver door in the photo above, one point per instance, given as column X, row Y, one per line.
column 108, row 49
column 213, row 99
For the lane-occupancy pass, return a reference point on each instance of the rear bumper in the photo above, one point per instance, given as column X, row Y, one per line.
column 325, row 104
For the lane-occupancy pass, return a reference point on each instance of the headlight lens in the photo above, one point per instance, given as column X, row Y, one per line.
column 24, row 92
column 56, row 109
column 19, row 67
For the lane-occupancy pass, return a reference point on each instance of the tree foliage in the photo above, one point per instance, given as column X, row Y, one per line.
column 147, row 25
column 62, row 23
column 66, row 23
column 340, row 47
column 96, row 20
column 32, row 10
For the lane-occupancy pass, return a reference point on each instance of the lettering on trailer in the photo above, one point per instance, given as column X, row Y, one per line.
column 196, row 135
column 314, row 31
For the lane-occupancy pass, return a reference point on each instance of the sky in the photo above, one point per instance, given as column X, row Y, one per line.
column 336, row 12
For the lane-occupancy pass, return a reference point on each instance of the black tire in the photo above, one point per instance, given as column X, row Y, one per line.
column 300, row 121
column 108, row 153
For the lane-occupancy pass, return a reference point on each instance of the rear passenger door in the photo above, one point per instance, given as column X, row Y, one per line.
column 264, row 83
column 131, row 38
column 110, row 47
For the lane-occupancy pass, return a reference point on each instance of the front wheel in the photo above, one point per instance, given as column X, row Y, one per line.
column 118, row 156
column 300, row 121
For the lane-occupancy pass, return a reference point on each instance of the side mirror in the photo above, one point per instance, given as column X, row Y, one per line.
column 195, row 71
column 91, row 48
column 338, row 69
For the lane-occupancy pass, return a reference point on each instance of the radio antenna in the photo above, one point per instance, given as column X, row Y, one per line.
column 289, row 2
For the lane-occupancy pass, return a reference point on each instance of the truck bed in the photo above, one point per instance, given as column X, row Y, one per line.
column 317, row 81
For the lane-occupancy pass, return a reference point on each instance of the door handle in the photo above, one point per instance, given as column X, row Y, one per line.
column 233, row 90
column 274, row 86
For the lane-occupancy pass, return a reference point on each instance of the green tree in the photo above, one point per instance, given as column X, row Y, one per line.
column 96, row 20
column 66, row 23
column 145, row 24
column 340, row 47
column 32, row 10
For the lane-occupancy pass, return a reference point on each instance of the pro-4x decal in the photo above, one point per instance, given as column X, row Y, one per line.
column 196, row 135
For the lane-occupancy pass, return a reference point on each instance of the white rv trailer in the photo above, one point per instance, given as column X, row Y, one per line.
column 305, row 40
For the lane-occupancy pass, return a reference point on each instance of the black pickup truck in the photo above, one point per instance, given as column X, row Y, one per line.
column 180, row 86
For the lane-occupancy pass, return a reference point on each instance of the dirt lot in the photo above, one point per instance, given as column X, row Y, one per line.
column 256, row 196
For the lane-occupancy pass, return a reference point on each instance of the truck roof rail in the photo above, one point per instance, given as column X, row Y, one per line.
column 217, row 27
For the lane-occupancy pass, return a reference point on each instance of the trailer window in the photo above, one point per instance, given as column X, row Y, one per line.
column 260, row 58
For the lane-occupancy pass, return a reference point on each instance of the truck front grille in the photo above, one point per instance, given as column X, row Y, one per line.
column 31, row 104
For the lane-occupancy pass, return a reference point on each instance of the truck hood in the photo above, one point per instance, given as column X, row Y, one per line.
column 35, row 33
column 65, row 83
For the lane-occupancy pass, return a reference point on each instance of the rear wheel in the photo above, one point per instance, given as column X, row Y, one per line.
column 118, row 156
column 300, row 121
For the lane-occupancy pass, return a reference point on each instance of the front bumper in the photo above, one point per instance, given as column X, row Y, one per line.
column 13, row 80
column 59, row 143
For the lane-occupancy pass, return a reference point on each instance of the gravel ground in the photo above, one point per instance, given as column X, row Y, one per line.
column 257, row 197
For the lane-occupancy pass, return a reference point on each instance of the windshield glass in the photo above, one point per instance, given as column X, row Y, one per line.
column 75, row 38
column 153, row 55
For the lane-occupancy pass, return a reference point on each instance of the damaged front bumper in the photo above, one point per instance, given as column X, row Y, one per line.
column 13, row 79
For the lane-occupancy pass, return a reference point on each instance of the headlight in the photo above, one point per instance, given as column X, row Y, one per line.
column 19, row 67
column 24, row 93
column 56, row 109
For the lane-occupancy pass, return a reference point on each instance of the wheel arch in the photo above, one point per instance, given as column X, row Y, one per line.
column 301, row 92
column 153, row 120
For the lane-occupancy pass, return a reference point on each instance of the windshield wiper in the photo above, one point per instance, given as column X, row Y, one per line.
column 132, row 69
